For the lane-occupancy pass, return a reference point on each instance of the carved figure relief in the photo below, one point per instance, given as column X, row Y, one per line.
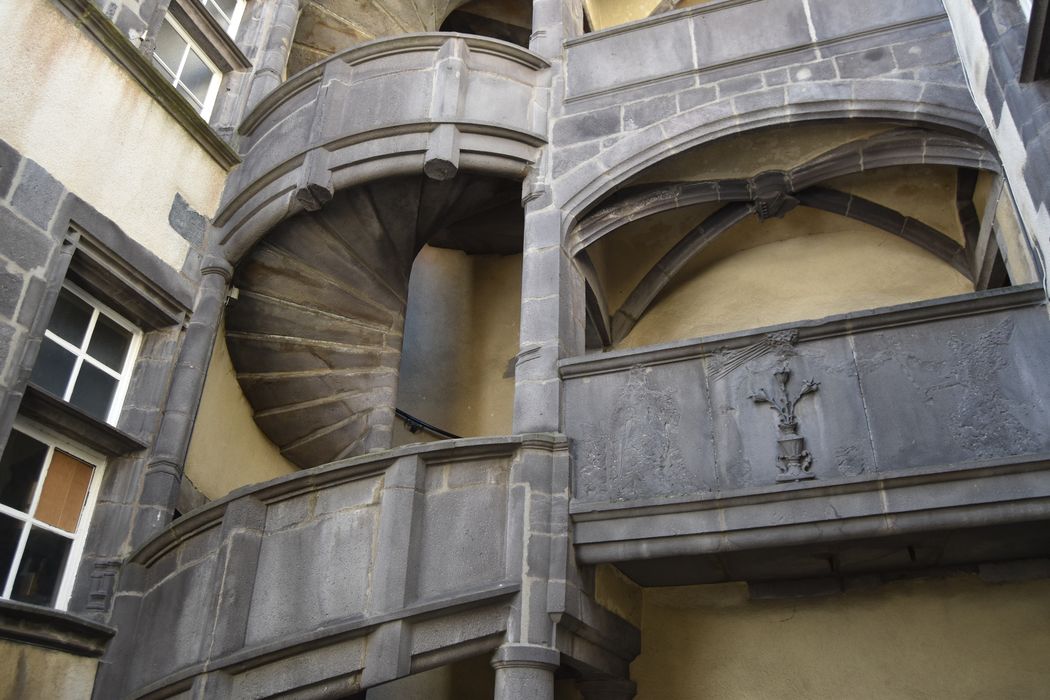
column 635, row 453
column 793, row 459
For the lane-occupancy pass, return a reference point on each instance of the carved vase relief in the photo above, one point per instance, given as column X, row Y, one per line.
column 636, row 453
column 793, row 459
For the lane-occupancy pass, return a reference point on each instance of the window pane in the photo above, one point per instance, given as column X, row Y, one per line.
column 189, row 95
column 227, row 6
column 170, row 46
column 10, row 532
column 196, row 76
column 214, row 11
column 20, row 468
column 64, row 492
column 109, row 343
column 93, row 391
column 70, row 318
column 40, row 570
column 53, row 368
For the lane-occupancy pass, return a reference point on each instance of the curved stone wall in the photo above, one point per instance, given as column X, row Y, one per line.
column 433, row 103
column 746, row 65
column 343, row 576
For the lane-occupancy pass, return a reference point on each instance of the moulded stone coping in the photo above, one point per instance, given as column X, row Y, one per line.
column 828, row 327
column 461, row 449
column 356, row 626
column 52, row 629
column 607, row 533
column 380, row 48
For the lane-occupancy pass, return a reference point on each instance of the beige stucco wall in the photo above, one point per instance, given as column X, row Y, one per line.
column 824, row 267
column 34, row 673
column 227, row 449
column 931, row 639
column 461, row 333
column 67, row 105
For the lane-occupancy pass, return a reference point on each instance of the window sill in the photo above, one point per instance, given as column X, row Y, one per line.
column 85, row 14
column 48, row 410
column 52, row 629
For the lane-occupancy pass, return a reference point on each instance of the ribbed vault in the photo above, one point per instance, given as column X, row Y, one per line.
column 773, row 193
column 315, row 334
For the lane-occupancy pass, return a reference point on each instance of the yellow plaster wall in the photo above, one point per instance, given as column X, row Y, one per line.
column 68, row 106
column 34, row 673
column 808, row 265
column 949, row 639
column 460, row 336
column 227, row 449
column 617, row 593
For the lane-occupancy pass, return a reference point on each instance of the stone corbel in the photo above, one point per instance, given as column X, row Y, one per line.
column 446, row 105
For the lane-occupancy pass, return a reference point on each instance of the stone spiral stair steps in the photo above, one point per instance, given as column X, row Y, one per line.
column 316, row 331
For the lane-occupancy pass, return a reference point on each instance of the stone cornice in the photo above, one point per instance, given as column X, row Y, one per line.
column 87, row 16
column 831, row 326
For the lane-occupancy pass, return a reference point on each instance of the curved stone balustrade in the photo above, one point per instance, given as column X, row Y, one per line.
column 433, row 103
column 336, row 578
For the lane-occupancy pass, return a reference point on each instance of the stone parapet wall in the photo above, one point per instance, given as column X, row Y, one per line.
column 428, row 102
column 391, row 563
column 736, row 66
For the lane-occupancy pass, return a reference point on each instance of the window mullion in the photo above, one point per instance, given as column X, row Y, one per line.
column 38, row 489
column 182, row 64
column 68, row 394
column 16, row 560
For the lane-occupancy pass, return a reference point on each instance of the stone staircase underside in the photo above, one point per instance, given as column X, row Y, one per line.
column 315, row 333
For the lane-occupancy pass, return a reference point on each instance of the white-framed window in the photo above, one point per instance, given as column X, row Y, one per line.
column 226, row 12
column 48, row 489
column 186, row 65
column 87, row 354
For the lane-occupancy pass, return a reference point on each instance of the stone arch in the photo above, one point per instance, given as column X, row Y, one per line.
column 944, row 108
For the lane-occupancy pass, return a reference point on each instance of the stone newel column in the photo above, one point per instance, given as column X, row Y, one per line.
column 524, row 672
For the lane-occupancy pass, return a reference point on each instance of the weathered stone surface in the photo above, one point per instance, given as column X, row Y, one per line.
column 643, row 433
column 892, row 398
column 37, row 194
column 21, row 242
column 947, row 392
column 292, row 593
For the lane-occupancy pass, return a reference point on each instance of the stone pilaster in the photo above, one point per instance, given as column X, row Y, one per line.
column 272, row 45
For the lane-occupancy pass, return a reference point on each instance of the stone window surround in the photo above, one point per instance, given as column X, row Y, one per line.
column 93, row 252
column 85, row 15
column 52, row 629
column 211, row 39
column 84, row 356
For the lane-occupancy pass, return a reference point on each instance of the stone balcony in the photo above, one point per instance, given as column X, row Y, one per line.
column 433, row 103
column 339, row 578
column 907, row 437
